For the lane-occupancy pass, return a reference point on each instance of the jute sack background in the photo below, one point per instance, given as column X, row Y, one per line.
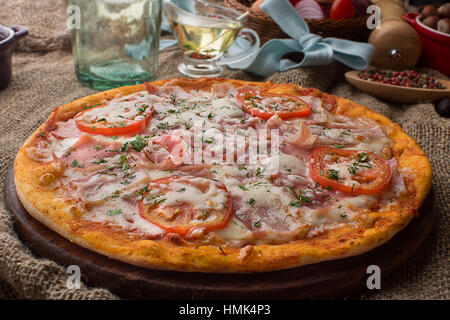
column 44, row 78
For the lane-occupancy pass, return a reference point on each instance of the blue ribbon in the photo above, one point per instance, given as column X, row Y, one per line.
column 317, row 51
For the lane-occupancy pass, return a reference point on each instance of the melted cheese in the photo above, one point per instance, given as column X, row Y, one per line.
column 60, row 146
column 128, row 107
column 181, row 193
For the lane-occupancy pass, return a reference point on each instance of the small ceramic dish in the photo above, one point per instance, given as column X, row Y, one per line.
column 435, row 44
column 395, row 93
column 8, row 41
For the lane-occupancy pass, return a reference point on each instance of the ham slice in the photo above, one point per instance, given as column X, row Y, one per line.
column 87, row 151
column 167, row 91
column 166, row 152
column 221, row 90
column 274, row 122
column 95, row 189
column 301, row 137
column 67, row 129
column 197, row 170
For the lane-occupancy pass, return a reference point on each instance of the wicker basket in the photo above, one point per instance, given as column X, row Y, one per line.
column 267, row 29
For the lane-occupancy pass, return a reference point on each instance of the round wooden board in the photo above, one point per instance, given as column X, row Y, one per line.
column 328, row 279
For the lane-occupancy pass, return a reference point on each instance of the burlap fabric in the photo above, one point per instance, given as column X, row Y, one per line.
column 44, row 78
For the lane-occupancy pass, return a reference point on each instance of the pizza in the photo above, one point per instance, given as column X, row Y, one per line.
column 220, row 175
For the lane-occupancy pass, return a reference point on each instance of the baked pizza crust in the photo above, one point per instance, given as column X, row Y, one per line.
column 61, row 215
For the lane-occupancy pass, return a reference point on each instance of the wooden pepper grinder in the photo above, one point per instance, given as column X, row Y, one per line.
column 396, row 42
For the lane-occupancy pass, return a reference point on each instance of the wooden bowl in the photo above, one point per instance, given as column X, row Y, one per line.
column 398, row 93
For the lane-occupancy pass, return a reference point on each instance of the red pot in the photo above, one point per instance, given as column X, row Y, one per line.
column 435, row 44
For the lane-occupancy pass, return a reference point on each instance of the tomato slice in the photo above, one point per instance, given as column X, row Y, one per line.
column 264, row 105
column 179, row 214
column 349, row 171
column 123, row 127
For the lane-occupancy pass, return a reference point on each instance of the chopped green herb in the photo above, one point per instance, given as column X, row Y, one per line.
column 99, row 161
column 205, row 215
column 158, row 201
column 143, row 108
column 125, row 166
column 99, row 146
column 125, row 146
column 296, row 204
column 142, row 191
column 209, row 140
column 69, row 151
column 333, row 174
column 115, row 194
column 259, row 172
column 164, row 126
column 363, row 157
column 353, row 168
column 138, row 143
column 114, row 212
column 75, row 163
column 344, row 133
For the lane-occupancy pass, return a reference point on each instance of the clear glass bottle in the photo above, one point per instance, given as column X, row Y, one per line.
column 116, row 42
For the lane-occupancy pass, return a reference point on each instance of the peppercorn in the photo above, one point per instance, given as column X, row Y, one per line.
column 410, row 78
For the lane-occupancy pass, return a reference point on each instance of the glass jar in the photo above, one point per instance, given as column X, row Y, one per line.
column 115, row 42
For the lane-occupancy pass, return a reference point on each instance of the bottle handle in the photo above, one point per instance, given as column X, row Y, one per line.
column 249, row 35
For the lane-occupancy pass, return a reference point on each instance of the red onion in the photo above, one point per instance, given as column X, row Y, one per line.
column 309, row 9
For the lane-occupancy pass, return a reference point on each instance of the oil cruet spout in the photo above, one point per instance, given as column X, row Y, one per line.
column 243, row 16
